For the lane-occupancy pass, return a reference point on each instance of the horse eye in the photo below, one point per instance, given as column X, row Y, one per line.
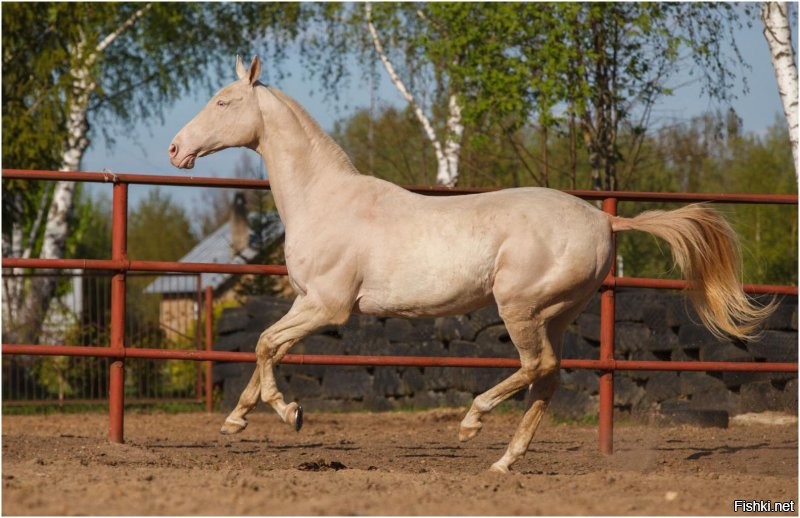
column 222, row 103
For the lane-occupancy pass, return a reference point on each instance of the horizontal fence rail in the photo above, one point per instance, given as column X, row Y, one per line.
column 118, row 350
column 274, row 269
column 394, row 361
column 239, row 183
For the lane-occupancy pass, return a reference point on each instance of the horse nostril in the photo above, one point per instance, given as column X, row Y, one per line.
column 173, row 150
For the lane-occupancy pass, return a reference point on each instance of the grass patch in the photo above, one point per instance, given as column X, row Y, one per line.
column 167, row 407
column 47, row 408
column 587, row 420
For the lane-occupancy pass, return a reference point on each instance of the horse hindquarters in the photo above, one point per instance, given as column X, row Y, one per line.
column 547, row 276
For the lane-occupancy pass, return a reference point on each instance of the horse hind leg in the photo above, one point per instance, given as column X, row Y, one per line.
column 541, row 391
column 537, row 360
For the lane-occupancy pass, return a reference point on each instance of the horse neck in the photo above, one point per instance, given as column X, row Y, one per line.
column 302, row 161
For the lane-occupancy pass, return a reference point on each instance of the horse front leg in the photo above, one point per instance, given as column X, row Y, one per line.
column 291, row 413
column 304, row 317
column 236, row 422
column 268, row 356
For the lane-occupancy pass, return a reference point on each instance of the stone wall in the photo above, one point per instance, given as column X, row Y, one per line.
column 651, row 325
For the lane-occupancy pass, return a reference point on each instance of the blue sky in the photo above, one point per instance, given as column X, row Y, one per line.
column 144, row 150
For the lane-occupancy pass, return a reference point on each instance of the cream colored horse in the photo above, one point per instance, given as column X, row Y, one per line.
column 356, row 243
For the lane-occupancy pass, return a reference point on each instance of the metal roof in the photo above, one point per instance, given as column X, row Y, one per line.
column 216, row 248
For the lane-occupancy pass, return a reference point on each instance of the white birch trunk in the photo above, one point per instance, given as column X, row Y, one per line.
column 452, row 146
column 42, row 289
column 447, row 156
column 56, row 228
column 778, row 33
column 12, row 284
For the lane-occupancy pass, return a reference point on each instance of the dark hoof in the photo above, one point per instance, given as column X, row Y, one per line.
column 298, row 418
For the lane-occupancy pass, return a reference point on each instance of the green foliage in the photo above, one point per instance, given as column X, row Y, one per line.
column 33, row 121
column 392, row 146
column 159, row 229
column 707, row 154
column 768, row 233
column 605, row 62
column 52, row 374
column 590, row 70
column 180, row 375
column 167, row 407
column 261, row 222
column 55, row 55
column 163, row 55
column 92, row 232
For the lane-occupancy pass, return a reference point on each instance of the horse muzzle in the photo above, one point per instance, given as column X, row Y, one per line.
column 179, row 160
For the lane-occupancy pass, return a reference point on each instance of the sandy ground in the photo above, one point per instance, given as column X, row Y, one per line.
column 384, row 464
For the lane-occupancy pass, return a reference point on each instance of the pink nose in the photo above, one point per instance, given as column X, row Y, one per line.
column 173, row 150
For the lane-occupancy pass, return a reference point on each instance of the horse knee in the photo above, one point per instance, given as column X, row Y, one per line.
column 551, row 372
column 545, row 383
column 265, row 349
column 540, row 369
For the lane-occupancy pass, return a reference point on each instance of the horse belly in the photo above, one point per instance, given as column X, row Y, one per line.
column 434, row 280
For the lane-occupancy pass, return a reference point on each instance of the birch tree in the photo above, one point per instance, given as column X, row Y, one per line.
column 447, row 155
column 403, row 39
column 591, row 70
column 84, row 55
column 69, row 68
column 778, row 32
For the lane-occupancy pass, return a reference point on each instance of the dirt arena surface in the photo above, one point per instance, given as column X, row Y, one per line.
column 384, row 464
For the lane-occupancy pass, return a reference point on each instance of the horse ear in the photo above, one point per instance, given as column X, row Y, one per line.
column 241, row 73
column 255, row 70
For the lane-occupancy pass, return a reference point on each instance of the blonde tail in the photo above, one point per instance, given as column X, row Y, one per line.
column 705, row 248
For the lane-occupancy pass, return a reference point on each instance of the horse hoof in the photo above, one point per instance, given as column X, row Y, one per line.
column 294, row 416
column 298, row 418
column 233, row 425
column 497, row 467
column 466, row 433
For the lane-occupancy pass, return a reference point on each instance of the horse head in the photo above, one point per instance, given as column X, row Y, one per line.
column 230, row 119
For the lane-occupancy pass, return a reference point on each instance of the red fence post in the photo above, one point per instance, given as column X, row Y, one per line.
column 606, row 417
column 199, row 391
column 209, row 306
column 119, row 251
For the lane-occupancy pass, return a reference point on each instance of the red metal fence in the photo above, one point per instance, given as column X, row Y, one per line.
column 118, row 350
column 167, row 314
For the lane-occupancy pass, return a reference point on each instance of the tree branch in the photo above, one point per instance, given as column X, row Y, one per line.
column 401, row 87
column 518, row 150
column 124, row 26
